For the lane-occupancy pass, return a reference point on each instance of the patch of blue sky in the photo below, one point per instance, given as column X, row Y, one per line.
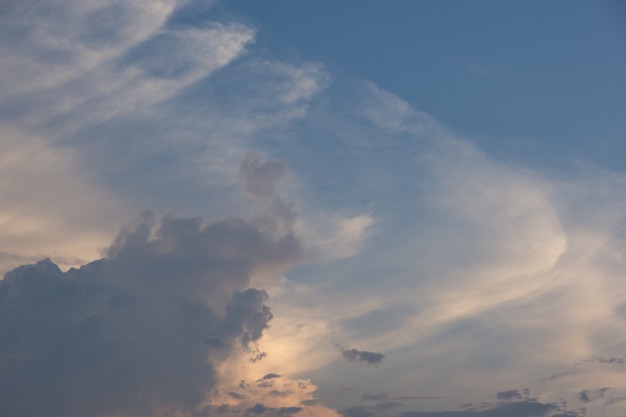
column 531, row 81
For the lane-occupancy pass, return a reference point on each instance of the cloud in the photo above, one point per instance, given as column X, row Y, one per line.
column 385, row 396
column 268, row 377
column 513, row 394
column 275, row 396
column 355, row 355
column 510, row 409
column 605, row 360
column 588, row 395
column 431, row 249
column 262, row 410
column 558, row 375
column 144, row 329
column 68, row 68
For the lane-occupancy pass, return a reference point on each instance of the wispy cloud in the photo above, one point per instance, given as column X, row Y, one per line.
column 471, row 274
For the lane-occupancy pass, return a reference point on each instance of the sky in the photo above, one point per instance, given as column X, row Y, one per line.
column 312, row 209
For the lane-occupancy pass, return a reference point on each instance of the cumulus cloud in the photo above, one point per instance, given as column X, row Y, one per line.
column 145, row 329
column 272, row 396
column 355, row 355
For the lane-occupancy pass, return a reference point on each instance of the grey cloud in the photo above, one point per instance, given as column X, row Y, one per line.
column 236, row 396
column 615, row 400
column 608, row 361
column 526, row 408
column 513, row 394
column 358, row 411
column 374, row 397
column 385, row 396
column 277, row 393
column 589, row 395
column 558, row 375
column 269, row 376
column 355, row 355
column 141, row 329
column 263, row 410
column 248, row 316
column 387, row 405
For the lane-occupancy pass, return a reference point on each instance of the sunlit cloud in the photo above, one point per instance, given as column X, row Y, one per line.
column 343, row 228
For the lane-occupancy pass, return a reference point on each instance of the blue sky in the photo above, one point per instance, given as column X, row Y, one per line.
column 520, row 79
column 411, row 209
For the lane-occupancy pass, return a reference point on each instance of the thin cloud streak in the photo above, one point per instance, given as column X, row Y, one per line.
column 474, row 275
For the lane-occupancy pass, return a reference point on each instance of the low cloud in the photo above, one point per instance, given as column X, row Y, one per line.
column 144, row 329
column 589, row 395
column 607, row 360
column 263, row 410
column 513, row 394
column 526, row 408
column 355, row 355
column 385, row 396
column 268, row 377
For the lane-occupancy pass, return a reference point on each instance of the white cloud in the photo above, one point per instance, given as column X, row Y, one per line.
column 428, row 249
column 495, row 273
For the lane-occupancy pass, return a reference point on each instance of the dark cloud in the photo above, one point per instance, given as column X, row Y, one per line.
column 558, row 375
column 268, row 376
column 387, row 405
column 608, row 361
column 513, row 394
column 355, row 355
column 374, row 397
column 385, row 396
column 142, row 329
column 589, row 395
column 263, row 410
column 583, row 396
column 527, row 408
column 358, row 411
column 236, row 395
